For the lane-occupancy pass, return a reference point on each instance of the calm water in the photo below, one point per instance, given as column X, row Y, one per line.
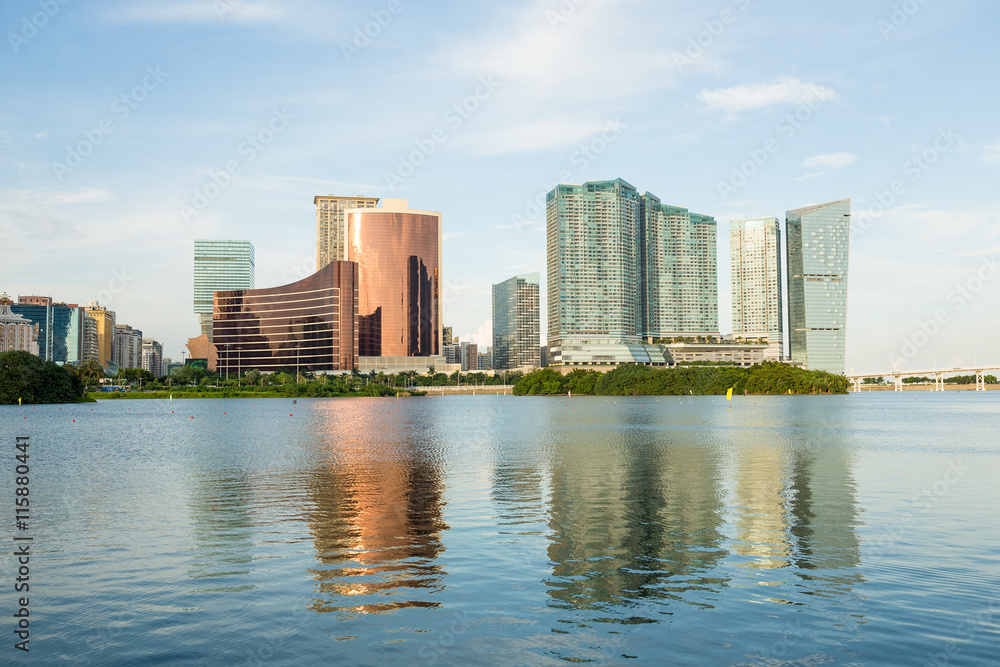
column 504, row 530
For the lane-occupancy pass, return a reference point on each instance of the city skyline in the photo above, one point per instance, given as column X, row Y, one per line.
column 198, row 123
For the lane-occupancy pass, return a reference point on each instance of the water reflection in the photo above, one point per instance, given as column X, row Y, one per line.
column 762, row 515
column 635, row 522
column 222, row 530
column 377, row 522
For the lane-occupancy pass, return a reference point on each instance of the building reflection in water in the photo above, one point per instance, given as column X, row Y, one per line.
column 222, row 531
column 376, row 523
column 763, row 530
column 635, row 520
column 797, row 505
column 639, row 518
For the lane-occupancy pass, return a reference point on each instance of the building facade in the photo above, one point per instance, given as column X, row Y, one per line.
column 516, row 334
column 678, row 271
column 330, row 224
column 219, row 266
column 469, row 356
column 755, row 263
column 91, row 350
column 309, row 325
column 818, row 249
column 623, row 270
column 398, row 253
column 128, row 347
column 60, row 327
column 17, row 333
column 104, row 332
column 152, row 357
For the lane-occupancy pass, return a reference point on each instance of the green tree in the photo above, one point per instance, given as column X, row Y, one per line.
column 24, row 376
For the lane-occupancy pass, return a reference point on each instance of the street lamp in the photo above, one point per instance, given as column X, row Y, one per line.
column 297, row 346
column 238, row 365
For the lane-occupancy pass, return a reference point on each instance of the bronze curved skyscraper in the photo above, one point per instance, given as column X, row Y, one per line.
column 398, row 252
column 308, row 325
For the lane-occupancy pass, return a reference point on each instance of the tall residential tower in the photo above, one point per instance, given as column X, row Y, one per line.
column 623, row 271
column 678, row 275
column 755, row 261
column 818, row 243
column 330, row 221
column 516, row 337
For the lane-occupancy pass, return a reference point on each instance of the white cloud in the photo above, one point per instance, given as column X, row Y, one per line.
column 992, row 153
column 558, row 83
column 830, row 160
column 483, row 337
column 786, row 90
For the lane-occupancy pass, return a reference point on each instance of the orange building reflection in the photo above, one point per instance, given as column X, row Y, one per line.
column 376, row 523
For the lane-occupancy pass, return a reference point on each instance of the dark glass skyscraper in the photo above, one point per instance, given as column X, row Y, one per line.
column 818, row 244
column 398, row 252
column 309, row 325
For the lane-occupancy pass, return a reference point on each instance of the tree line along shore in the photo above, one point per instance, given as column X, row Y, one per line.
column 32, row 380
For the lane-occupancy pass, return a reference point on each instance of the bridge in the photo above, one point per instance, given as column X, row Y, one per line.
column 980, row 372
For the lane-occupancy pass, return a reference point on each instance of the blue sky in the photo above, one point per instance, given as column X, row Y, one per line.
column 734, row 108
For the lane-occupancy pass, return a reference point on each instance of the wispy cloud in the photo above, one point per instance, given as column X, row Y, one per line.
column 193, row 11
column 786, row 90
column 992, row 153
column 830, row 160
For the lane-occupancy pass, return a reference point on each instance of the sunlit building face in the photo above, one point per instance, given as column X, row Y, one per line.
column 308, row 325
column 398, row 252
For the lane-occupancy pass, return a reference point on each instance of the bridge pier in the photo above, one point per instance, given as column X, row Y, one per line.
column 980, row 380
column 938, row 382
column 899, row 382
column 857, row 385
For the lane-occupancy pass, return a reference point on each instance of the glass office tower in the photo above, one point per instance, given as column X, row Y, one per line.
column 516, row 336
column 678, row 275
column 60, row 328
column 818, row 243
column 755, row 263
column 398, row 252
column 219, row 266
column 309, row 325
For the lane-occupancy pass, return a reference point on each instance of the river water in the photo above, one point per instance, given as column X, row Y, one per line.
column 798, row 530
